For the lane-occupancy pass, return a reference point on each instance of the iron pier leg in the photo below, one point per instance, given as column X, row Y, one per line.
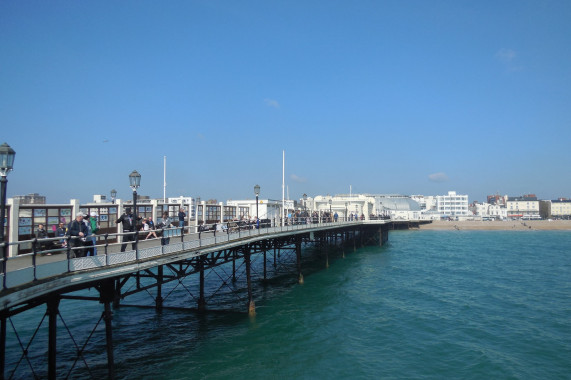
column 117, row 294
column 2, row 345
column 251, row 305
column 109, row 338
column 234, row 266
column 107, row 295
column 264, row 265
column 298, row 256
column 201, row 299
column 275, row 262
column 354, row 242
column 159, row 302
column 52, row 311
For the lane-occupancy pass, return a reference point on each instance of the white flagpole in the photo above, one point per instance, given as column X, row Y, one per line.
column 283, row 187
column 165, row 179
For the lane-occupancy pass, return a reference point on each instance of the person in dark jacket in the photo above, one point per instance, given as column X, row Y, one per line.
column 181, row 216
column 78, row 231
column 42, row 234
column 129, row 225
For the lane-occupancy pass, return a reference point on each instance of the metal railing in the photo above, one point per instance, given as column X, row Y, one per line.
column 56, row 256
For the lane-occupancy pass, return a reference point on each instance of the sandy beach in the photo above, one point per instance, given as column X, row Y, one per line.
column 499, row 225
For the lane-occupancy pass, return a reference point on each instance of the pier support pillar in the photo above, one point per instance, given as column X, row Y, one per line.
column 117, row 294
column 251, row 304
column 298, row 256
column 234, row 265
column 265, row 271
column 275, row 259
column 201, row 299
column 108, row 317
column 2, row 345
column 159, row 300
column 107, row 295
column 52, row 312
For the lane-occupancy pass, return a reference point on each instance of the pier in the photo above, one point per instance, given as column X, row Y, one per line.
column 239, row 258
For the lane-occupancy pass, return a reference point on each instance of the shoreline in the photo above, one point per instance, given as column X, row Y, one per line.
column 511, row 225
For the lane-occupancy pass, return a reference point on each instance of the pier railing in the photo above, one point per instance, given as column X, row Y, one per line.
column 56, row 256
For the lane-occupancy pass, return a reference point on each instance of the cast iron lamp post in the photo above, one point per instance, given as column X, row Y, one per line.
column 330, row 216
column 7, row 156
column 113, row 195
column 134, row 183
column 304, row 202
column 257, row 192
column 346, row 216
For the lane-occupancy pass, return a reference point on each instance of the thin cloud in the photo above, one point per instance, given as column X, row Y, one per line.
column 272, row 103
column 297, row 179
column 508, row 57
column 438, row 177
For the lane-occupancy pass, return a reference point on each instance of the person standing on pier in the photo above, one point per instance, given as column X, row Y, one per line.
column 166, row 224
column 94, row 224
column 181, row 216
column 77, row 230
column 128, row 221
column 60, row 232
column 42, row 234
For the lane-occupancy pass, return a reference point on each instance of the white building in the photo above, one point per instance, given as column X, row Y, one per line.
column 367, row 205
column 189, row 205
column 452, row 205
column 494, row 211
column 267, row 208
column 524, row 207
column 560, row 208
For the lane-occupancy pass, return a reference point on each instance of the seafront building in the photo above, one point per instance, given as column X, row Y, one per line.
column 556, row 209
column 523, row 207
column 395, row 206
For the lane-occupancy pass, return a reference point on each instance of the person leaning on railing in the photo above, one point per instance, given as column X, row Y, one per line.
column 77, row 230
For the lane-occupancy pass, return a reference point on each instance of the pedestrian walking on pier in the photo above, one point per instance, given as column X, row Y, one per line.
column 128, row 221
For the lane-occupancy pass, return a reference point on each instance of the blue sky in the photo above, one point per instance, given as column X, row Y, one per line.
column 410, row 97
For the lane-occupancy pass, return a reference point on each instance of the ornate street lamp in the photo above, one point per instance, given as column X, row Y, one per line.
column 134, row 183
column 304, row 202
column 257, row 192
column 7, row 156
column 346, row 216
column 113, row 196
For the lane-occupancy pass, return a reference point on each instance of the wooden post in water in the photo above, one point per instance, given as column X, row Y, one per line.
column 251, row 304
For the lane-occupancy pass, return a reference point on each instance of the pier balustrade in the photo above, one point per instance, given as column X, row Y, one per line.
column 54, row 257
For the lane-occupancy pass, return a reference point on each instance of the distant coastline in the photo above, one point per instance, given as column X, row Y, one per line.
column 511, row 225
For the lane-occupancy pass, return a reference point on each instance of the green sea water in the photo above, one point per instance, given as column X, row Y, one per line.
column 427, row 305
